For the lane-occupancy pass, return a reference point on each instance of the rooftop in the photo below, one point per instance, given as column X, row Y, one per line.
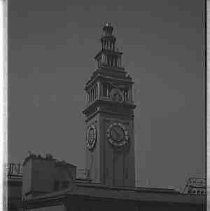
column 93, row 190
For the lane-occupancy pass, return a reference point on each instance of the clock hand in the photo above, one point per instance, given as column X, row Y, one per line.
column 117, row 133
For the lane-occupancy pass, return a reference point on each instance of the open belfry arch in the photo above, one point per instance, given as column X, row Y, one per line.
column 110, row 118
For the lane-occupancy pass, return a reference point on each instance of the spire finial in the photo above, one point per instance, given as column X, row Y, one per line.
column 108, row 29
column 108, row 24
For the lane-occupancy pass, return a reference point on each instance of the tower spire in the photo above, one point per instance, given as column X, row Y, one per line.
column 108, row 56
column 108, row 39
column 108, row 29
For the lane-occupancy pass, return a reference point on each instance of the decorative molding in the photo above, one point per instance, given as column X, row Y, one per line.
column 91, row 137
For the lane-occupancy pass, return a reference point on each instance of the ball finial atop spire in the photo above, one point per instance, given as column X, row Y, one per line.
column 108, row 24
column 108, row 29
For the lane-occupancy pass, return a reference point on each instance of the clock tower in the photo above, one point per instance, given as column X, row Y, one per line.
column 110, row 118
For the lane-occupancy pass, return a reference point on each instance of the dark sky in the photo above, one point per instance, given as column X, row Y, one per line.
column 51, row 48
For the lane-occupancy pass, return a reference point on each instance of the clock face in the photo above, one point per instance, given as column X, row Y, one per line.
column 117, row 134
column 91, row 137
column 116, row 95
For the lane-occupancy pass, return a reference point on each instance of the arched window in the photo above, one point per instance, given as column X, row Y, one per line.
column 115, row 61
column 102, row 58
column 104, row 89
column 91, row 95
column 96, row 91
column 105, row 59
column 88, row 96
column 112, row 61
column 126, row 97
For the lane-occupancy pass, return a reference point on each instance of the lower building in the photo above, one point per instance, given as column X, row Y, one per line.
column 49, row 184
column 196, row 186
column 14, row 186
column 83, row 196
column 14, row 193
column 42, row 175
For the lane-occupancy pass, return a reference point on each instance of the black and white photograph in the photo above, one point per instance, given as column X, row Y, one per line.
column 106, row 105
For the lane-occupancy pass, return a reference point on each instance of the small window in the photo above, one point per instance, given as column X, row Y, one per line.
column 65, row 184
column 116, row 61
column 56, row 185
